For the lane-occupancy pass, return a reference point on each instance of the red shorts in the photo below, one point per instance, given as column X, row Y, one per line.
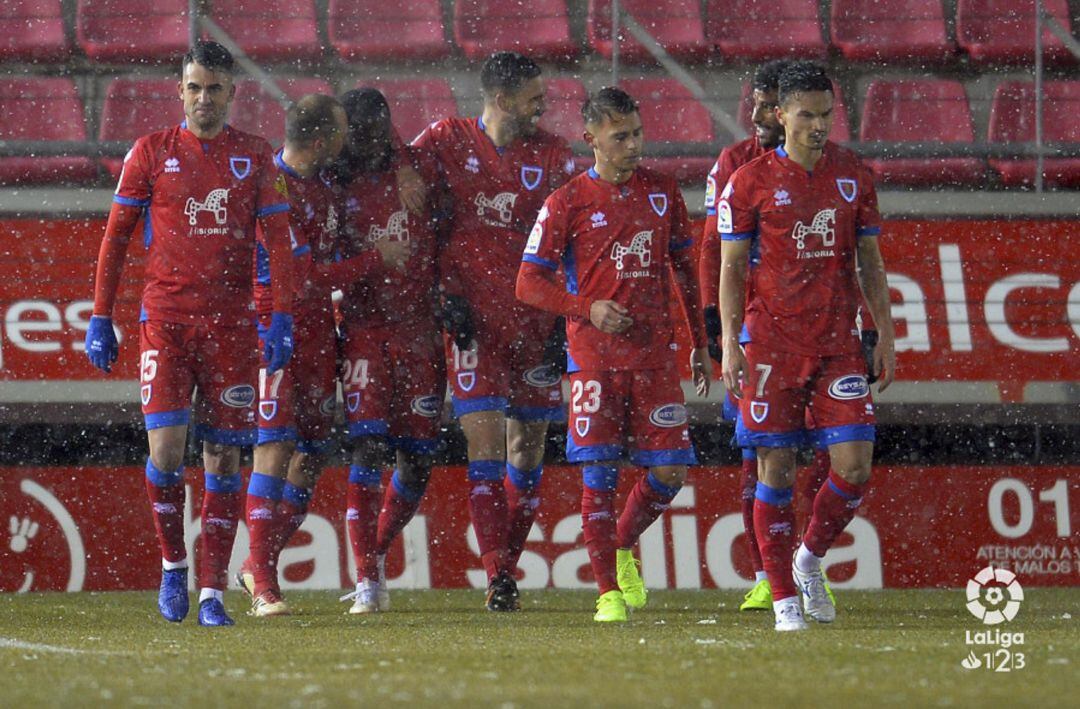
column 781, row 389
column 223, row 362
column 642, row 410
column 394, row 384
column 297, row 403
column 504, row 371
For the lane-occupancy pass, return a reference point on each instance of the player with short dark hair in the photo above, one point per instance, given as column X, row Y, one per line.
column 802, row 351
column 208, row 193
column 621, row 236
column 498, row 169
column 393, row 379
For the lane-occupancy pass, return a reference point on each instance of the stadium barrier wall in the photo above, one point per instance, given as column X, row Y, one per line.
column 89, row 529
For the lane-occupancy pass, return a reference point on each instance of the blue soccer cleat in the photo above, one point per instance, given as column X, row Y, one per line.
column 212, row 614
column 172, row 598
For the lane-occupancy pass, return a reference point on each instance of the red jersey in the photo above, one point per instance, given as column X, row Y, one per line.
column 372, row 211
column 615, row 242
column 804, row 292
column 497, row 193
column 202, row 199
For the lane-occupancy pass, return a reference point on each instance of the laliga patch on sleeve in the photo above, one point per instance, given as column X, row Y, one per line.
column 723, row 217
column 710, row 192
column 537, row 234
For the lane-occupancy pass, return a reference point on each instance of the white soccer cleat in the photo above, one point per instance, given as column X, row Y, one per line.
column 384, row 592
column 815, row 595
column 365, row 598
column 789, row 615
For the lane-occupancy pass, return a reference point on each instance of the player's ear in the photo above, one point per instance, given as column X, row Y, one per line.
column 232, row 90
column 589, row 139
column 180, row 89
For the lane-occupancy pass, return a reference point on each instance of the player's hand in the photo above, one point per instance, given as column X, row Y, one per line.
column 884, row 362
column 457, row 320
column 610, row 317
column 869, row 344
column 733, row 368
column 555, row 347
column 101, row 347
column 411, row 189
column 279, row 342
column 713, row 329
column 395, row 254
column 701, row 370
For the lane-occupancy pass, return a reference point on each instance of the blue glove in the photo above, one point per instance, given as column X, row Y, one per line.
column 279, row 344
column 101, row 345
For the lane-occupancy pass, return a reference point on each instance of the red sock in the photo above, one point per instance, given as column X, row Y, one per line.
column 397, row 511
column 598, row 524
column 362, row 520
column 749, row 484
column 774, row 526
column 834, row 507
column 523, row 506
column 487, row 505
column 167, row 509
column 260, row 513
column 808, row 484
column 647, row 501
column 223, row 502
column 289, row 516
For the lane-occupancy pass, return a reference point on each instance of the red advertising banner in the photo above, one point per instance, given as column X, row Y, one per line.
column 90, row 529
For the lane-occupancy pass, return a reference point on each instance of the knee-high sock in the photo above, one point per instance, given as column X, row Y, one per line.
column 260, row 509
column 749, row 485
column 774, row 522
column 598, row 523
column 523, row 497
column 362, row 519
column 647, row 501
column 166, row 493
column 399, row 505
column 290, row 515
column 487, row 505
column 807, row 486
column 223, row 503
column 834, row 507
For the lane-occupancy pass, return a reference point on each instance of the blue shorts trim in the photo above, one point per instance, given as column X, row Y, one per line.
column 729, row 409
column 749, row 454
column 418, row 446
column 671, row 456
column 370, row 427
column 680, row 245
column 591, row 454
column 868, row 231
column 246, row 437
column 274, row 435
column 536, row 413
column 310, row 447
column 180, row 417
column 842, row 434
column 790, row 439
column 737, row 236
column 482, row 403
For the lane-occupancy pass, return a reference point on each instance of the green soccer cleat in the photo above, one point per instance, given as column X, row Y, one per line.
column 628, row 575
column 758, row 598
column 610, row 608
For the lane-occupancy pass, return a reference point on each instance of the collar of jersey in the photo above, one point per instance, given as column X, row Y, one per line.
column 480, row 125
column 783, row 154
column 284, row 166
column 205, row 141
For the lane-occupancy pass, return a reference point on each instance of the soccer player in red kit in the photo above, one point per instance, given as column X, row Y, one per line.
column 812, row 208
column 620, row 235
column 201, row 189
column 499, row 167
column 394, row 381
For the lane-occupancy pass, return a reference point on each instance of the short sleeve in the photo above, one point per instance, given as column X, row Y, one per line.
column 547, row 240
column 273, row 196
column 736, row 219
column 133, row 188
column 428, row 138
column 681, row 230
column 867, row 217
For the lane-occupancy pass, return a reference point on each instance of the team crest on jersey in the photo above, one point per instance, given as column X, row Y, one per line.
column 352, row 401
column 849, row 189
column 530, row 176
column 214, row 203
column 239, row 396
column 267, row 409
column 581, row 426
column 466, row 380
column 241, row 167
column 145, row 392
column 427, row 406
column 658, row 200
column 759, row 410
column 668, row 416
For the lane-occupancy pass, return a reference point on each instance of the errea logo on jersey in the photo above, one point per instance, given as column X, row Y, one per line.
column 397, row 228
column 821, row 225
column 215, row 204
column 598, row 219
column 781, row 198
column 501, row 204
column 172, row 165
column 472, row 164
column 641, row 247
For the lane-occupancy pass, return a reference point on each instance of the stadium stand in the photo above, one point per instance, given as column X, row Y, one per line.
column 281, row 31
column 132, row 30
column 563, row 115
column 841, row 128
column 45, row 109
column 894, row 31
column 1003, row 31
column 676, row 25
column 32, row 31
column 670, row 114
column 415, row 103
column 757, row 30
column 135, row 107
column 1012, row 120
column 541, row 29
column 392, row 30
column 255, row 111
column 920, row 110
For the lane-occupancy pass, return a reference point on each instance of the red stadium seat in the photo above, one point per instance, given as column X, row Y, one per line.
column 670, row 114
column 1003, row 31
column 32, row 31
column 563, row 116
column 135, row 107
column 132, row 30
column 387, row 29
column 271, row 32
column 540, row 29
column 1012, row 120
column 758, row 30
column 255, row 111
column 841, row 127
column 890, row 30
column 675, row 24
column 45, row 109
column 920, row 110
column 415, row 103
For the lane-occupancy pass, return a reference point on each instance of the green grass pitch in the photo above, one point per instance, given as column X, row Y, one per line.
column 440, row 648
